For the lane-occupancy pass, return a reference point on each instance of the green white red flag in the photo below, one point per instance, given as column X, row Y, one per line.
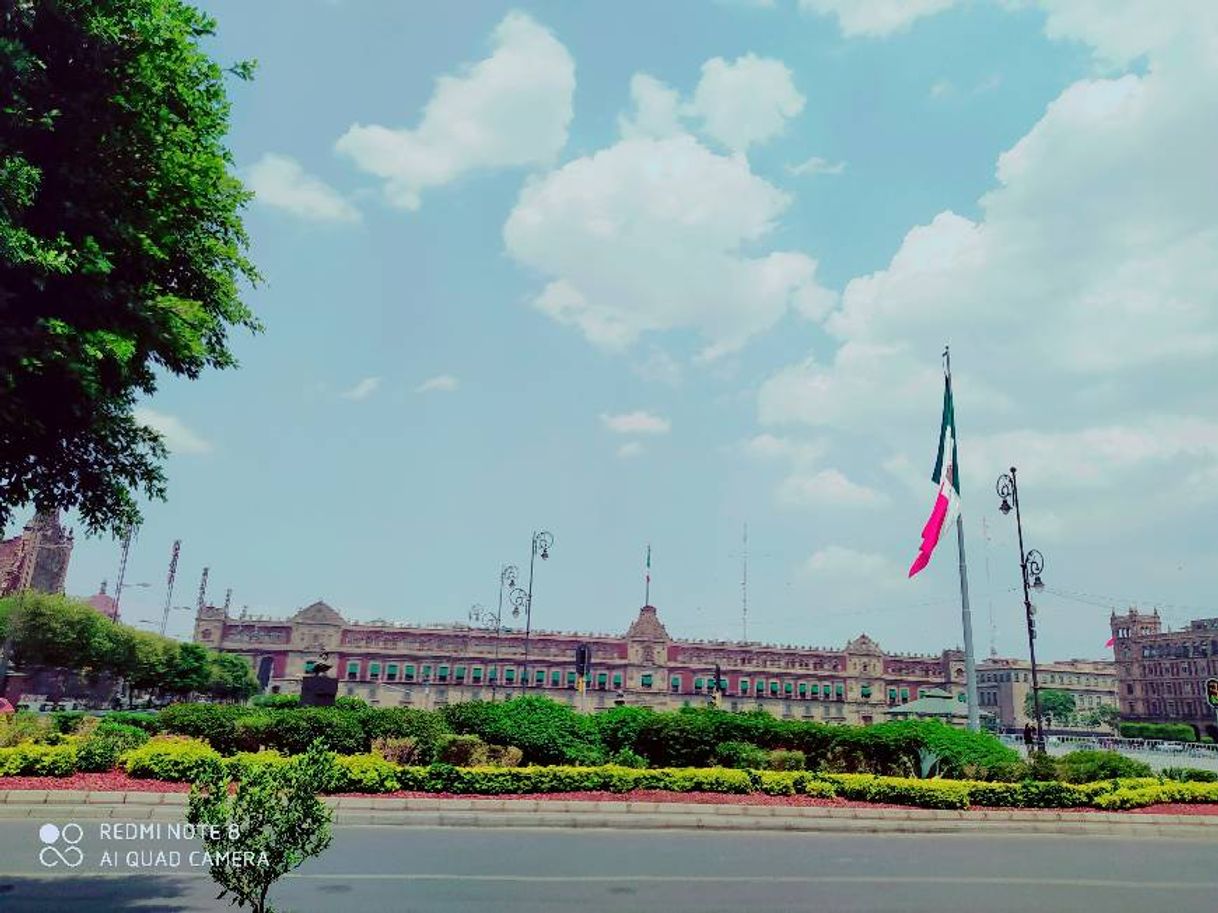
column 947, row 502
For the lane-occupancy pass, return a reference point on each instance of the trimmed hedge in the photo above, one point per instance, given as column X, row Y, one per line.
column 1168, row 732
column 1141, row 796
column 30, row 760
column 174, row 758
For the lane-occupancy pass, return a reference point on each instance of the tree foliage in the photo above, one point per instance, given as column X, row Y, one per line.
column 1055, row 706
column 121, row 243
column 58, row 632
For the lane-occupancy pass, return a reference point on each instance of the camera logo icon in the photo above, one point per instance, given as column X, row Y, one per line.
column 59, row 845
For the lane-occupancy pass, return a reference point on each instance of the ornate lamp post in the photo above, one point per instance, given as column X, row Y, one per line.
column 542, row 543
column 1031, row 563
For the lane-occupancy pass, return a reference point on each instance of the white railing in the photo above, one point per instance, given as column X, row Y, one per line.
column 1106, row 743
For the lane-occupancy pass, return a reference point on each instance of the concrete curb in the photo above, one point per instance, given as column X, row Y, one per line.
column 534, row 813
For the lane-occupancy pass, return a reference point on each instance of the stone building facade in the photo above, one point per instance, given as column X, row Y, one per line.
column 37, row 559
column 1004, row 684
column 1161, row 674
column 431, row 665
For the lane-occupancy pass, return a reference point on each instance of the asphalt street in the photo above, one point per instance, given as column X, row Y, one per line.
column 417, row 870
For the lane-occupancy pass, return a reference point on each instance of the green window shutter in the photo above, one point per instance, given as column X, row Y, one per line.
column 841, row 689
column 803, row 688
column 509, row 675
column 477, row 673
column 555, row 677
column 788, row 688
column 570, row 678
column 492, row 674
column 443, row 671
column 426, row 672
column 865, row 691
column 816, row 688
column 391, row 672
column 675, row 683
column 744, row 686
column 892, row 694
column 723, row 684
column 773, row 687
column 309, row 664
column 602, row 678
column 460, row 672
column 760, row 686
column 540, row 676
column 352, row 670
column 646, row 681
column 409, row 673
column 904, row 694
column 697, row 683
column 617, row 679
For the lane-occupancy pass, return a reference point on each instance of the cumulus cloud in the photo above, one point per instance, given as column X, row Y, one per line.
column 630, row 449
column 840, row 564
column 649, row 235
column 362, row 390
column 638, row 422
column 280, row 182
column 441, row 383
column 511, row 109
column 875, row 18
column 745, row 101
column 827, row 488
column 178, row 438
column 773, row 447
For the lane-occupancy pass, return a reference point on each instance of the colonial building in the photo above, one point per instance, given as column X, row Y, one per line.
column 431, row 665
column 1161, row 674
column 1003, row 686
column 38, row 558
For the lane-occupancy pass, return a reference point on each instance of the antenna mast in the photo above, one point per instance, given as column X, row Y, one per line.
column 202, row 601
column 228, row 599
column 122, row 567
column 173, row 572
column 744, row 587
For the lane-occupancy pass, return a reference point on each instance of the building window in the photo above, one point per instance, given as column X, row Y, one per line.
column 697, row 685
column 774, row 688
column 744, row 686
column 492, row 674
column 391, row 672
column 602, row 680
column 617, row 679
column 427, row 673
column 788, row 688
column 352, row 670
column 442, row 673
column 841, row 691
column 570, row 679
column 803, row 689
column 509, row 676
column 460, row 673
column 760, row 687
column 374, row 671
column 539, row 677
column 645, row 680
column 865, row 691
column 904, row 695
column 892, row 695
column 555, row 677
column 409, row 674
column 476, row 672
column 675, row 683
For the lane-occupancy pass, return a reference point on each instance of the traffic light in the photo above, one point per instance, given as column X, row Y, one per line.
column 718, row 678
column 583, row 660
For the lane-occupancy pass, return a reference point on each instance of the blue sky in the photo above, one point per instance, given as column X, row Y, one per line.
column 641, row 272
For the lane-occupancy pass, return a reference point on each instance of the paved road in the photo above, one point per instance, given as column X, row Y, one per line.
column 418, row 870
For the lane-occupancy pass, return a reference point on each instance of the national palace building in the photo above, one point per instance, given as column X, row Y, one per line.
column 431, row 665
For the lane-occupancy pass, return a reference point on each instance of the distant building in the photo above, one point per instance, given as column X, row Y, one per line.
column 431, row 665
column 1004, row 684
column 1161, row 674
column 104, row 603
column 38, row 558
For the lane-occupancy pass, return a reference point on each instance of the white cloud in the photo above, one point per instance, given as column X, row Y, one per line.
column 362, row 390
column 441, row 383
column 875, row 18
column 638, row 422
column 839, row 564
column 657, row 109
column 827, row 488
column 178, row 438
column 773, row 447
column 941, row 88
column 648, row 235
column 280, row 182
column 746, row 101
column 817, row 165
column 661, row 367
column 630, row 449
column 511, row 109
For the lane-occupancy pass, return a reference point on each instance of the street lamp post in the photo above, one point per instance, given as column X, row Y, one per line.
column 542, row 542
column 1031, row 563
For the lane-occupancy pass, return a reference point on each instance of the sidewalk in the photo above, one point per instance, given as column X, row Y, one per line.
column 550, row 813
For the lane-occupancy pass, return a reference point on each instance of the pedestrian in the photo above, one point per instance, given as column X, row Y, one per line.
column 1028, row 737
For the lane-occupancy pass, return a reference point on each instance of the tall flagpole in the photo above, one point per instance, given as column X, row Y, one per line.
column 647, row 591
column 970, row 661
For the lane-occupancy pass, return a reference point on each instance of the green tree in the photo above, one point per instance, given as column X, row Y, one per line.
column 232, row 678
column 121, row 244
column 274, row 815
column 190, row 669
column 1055, row 706
column 1106, row 715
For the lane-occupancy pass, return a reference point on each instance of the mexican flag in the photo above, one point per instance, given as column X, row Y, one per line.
column 947, row 503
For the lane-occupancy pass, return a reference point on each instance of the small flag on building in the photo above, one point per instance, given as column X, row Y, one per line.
column 947, row 502
column 1110, row 642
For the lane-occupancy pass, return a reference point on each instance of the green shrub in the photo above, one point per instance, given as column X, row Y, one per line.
column 276, row 701
column 173, row 758
column 546, row 731
column 425, row 726
column 618, row 728
column 1189, row 775
column 462, row 751
column 919, row 793
column 34, row 760
column 1169, row 732
column 364, row 773
column 100, row 751
column 627, row 758
column 741, row 756
column 404, row 752
column 1135, row 796
column 149, row 722
column 1042, row 767
column 66, row 722
column 1007, row 772
column 782, row 759
column 247, row 763
column 215, row 724
column 1089, row 766
column 780, row 782
column 348, row 702
column 27, row 728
